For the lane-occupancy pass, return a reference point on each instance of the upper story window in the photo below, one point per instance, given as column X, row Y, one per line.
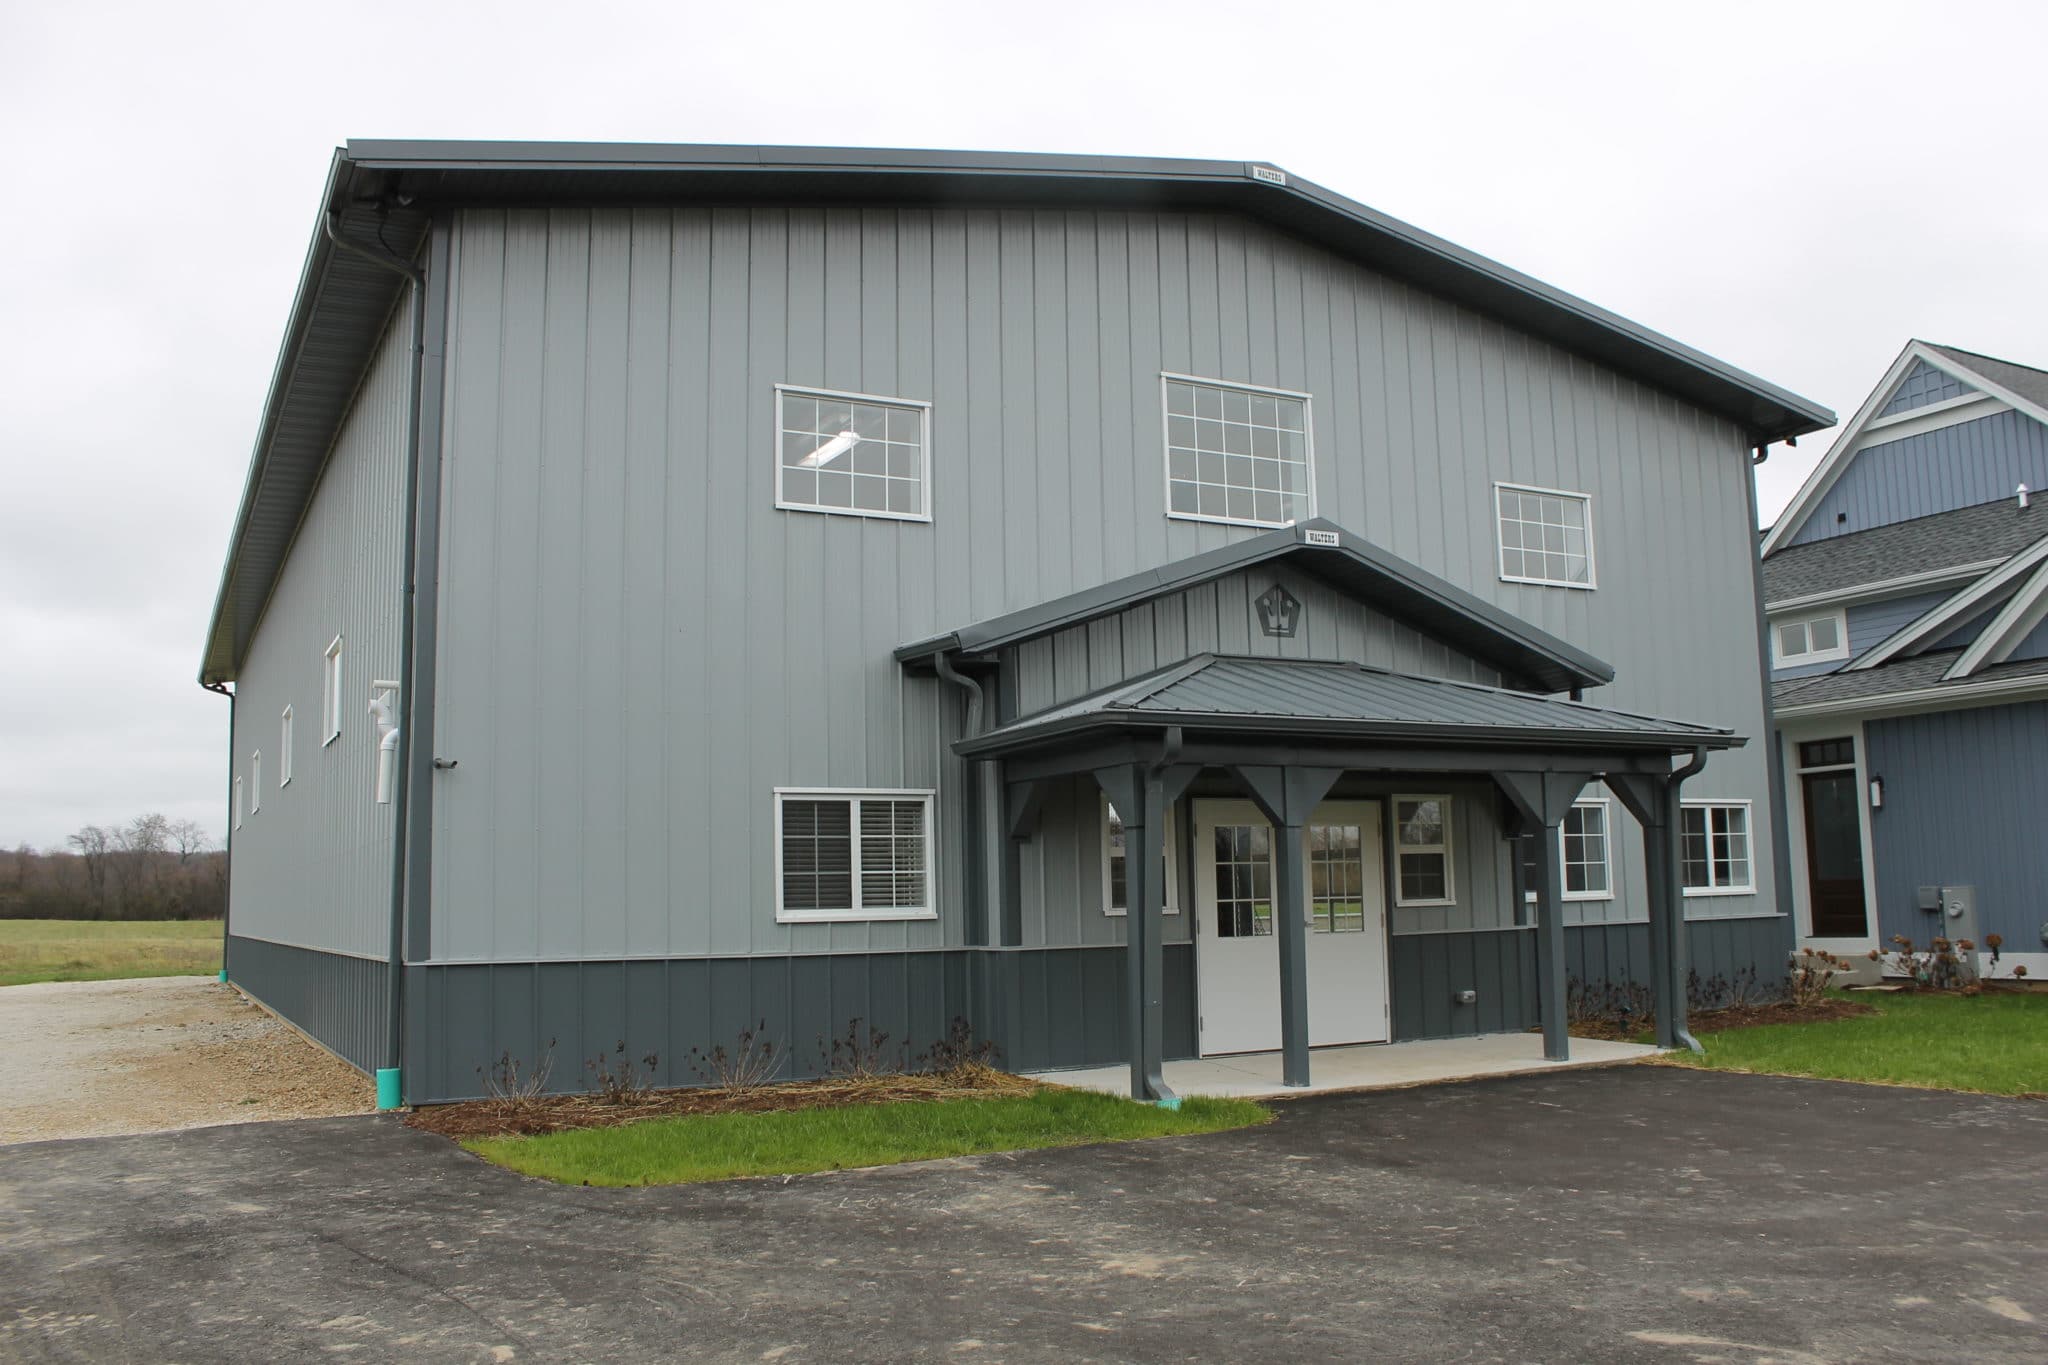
column 1714, row 848
column 852, row 453
column 1809, row 639
column 1588, row 873
column 255, row 782
column 1116, row 865
column 844, row 855
column 1546, row 536
column 284, row 748
column 1237, row 453
column 1422, row 843
column 238, row 802
column 330, row 693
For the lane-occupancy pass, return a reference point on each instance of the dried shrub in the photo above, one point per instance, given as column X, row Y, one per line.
column 621, row 1080
column 959, row 1053
column 508, row 1083
column 748, row 1065
column 1943, row 965
column 861, row 1053
column 1813, row 972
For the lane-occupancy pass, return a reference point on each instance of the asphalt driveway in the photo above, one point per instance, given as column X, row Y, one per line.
column 1633, row 1214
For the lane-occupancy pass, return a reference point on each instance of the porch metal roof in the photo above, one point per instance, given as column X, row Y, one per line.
column 1357, row 566
column 1322, row 699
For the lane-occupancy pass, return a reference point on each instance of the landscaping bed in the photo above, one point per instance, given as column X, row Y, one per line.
column 1725, row 1019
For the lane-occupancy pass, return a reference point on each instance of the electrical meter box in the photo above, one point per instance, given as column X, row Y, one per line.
column 1959, row 916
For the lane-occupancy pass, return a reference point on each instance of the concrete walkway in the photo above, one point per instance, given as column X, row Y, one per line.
column 1379, row 1066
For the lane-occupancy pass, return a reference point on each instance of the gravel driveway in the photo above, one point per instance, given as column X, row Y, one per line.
column 92, row 1058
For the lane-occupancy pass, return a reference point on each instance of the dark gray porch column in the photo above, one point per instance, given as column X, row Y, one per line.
column 1543, row 800
column 1289, row 796
column 1653, row 801
column 1143, row 795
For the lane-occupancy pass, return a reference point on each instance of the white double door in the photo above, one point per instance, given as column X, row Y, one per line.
column 1237, row 948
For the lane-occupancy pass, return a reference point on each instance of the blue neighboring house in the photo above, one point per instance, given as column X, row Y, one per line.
column 1906, row 588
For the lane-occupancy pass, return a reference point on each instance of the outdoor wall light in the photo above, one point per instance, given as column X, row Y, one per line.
column 1877, row 793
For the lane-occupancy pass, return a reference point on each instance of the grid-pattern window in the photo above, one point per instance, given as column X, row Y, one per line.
column 1422, row 840
column 1116, row 898
column 1244, row 881
column 1714, row 847
column 284, row 748
column 1588, row 875
column 1235, row 453
column 1546, row 536
column 863, row 855
column 330, row 693
column 1336, row 878
column 843, row 452
column 1811, row 639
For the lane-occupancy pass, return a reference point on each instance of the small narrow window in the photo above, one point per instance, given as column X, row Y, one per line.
column 1546, row 536
column 853, row 855
column 330, row 694
column 255, row 782
column 1116, row 864
column 1582, row 840
column 852, row 453
column 1714, row 848
column 1236, row 453
column 238, row 803
column 1810, row 639
column 284, row 748
column 1422, row 839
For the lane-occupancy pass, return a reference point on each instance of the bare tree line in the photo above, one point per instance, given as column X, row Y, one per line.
column 152, row 867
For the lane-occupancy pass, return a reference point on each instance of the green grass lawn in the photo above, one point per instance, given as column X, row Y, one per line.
column 1994, row 1043
column 103, row 950
column 676, row 1151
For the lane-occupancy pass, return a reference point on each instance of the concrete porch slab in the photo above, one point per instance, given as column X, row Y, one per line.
column 1374, row 1066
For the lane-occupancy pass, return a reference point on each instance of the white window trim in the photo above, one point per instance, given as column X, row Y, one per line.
column 284, row 749
column 1606, row 852
column 1749, row 830
column 330, row 693
column 238, row 802
column 1780, row 659
column 858, row 914
column 255, row 781
column 1172, row 845
column 924, row 477
column 1448, row 848
column 1501, row 550
column 1308, row 444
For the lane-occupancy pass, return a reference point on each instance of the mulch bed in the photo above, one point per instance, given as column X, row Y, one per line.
column 560, row 1113
column 1733, row 1017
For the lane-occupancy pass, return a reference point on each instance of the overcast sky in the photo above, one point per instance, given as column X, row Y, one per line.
column 1796, row 189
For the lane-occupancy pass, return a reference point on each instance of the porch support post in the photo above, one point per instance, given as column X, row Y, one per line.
column 1289, row 796
column 1143, row 794
column 1643, row 797
column 1543, row 800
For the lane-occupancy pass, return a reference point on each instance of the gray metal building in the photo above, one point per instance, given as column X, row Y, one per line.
column 801, row 576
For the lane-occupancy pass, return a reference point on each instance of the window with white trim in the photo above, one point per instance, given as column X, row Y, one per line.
column 852, row 453
column 1583, row 844
column 1422, row 851
column 255, row 782
column 1713, row 838
column 284, row 748
column 330, row 693
column 238, row 803
column 1546, row 535
column 1116, row 865
column 1810, row 639
column 853, row 855
column 1237, row 453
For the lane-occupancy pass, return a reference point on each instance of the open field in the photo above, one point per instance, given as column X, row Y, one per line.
column 106, row 950
column 678, row 1151
column 1996, row 1043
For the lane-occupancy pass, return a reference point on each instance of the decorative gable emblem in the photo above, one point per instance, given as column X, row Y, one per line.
column 1279, row 611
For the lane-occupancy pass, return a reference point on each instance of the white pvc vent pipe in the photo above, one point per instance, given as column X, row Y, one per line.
column 384, row 706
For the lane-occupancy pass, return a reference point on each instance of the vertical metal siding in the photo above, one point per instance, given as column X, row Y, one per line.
column 312, row 867
column 618, row 743
column 1922, row 385
column 1963, row 797
column 1936, row 471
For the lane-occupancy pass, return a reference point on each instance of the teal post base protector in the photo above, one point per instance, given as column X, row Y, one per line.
column 223, row 976
column 388, row 1091
column 1173, row 1103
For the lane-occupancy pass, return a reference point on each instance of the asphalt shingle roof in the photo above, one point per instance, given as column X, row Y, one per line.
column 2024, row 380
column 1916, row 674
column 1969, row 535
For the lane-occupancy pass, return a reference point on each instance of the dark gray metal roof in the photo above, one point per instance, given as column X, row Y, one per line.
column 1319, row 699
column 1920, row 673
column 2024, row 380
column 1346, row 561
column 341, row 300
column 1946, row 540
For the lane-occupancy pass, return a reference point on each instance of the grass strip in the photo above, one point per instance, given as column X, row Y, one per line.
column 677, row 1151
column 106, row 950
column 1995, row 1043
